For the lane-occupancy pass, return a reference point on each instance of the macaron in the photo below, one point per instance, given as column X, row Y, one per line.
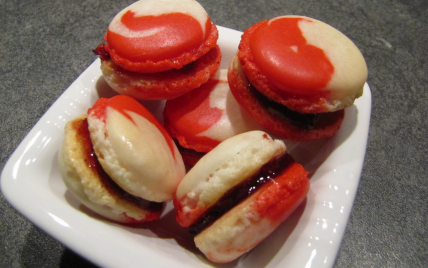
column 159, row 49
column 239, row 193
column 134, row 149
column 295, row 75
column 88, row 182
column 201, row 119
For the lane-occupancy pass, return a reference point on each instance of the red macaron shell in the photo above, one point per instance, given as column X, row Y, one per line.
column 277, row 199
column 163, row 85
column 294, row 79
column 180, row 43
column 246, row 95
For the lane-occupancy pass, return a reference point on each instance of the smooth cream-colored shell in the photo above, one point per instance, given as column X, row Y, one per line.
column 136, row 156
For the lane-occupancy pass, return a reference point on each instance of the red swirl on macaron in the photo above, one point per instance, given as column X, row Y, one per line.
column 187, row 122
column 162, row 37
column 124, row 105
column 283, row 54
column 153, row 36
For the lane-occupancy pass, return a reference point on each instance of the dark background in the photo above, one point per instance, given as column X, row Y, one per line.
column 45, row 45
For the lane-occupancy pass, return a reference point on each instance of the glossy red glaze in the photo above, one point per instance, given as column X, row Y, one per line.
column 287, row 60
column 169, row 35
column 191, row 114
column 123, row 104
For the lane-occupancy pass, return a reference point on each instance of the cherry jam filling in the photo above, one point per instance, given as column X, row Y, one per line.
column 305, row 121
column 190, row 156
column 93, row 163
column 243, row 190
column 101, row 52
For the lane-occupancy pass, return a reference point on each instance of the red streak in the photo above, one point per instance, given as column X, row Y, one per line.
column 177, row 33
column 276, row 200
column 284, row 57
column 125, row 104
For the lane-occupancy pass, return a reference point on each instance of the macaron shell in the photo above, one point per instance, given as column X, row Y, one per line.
column 228, row 164
column 350, row 69
column 247, row 224
column 86, row 180
column 135, row 150
column 246, row 96
column 206, row 116
column 157, row 8
column 324, row 70
column 157, row 35
column 164, row 85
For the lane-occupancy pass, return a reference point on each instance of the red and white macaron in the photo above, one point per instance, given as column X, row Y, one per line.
column 120, row 162
column 159, row 49
column 295, row 75
column 238, row 193
column 201, row 119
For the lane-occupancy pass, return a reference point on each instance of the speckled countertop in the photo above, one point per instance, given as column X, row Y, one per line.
column 45, row 45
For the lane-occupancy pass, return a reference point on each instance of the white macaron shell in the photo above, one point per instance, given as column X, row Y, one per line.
column 156, row 8
column 137, row 156
column 228, row 164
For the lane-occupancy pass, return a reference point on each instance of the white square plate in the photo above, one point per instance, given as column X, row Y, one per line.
column 31, row 182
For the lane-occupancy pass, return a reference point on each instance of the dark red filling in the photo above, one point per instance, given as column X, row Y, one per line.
column 190, row 156
column 243, row 190
column 93, row 163
column 101, row 52
column 304, row 121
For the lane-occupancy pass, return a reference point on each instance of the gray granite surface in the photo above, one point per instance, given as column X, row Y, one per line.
column 45, row 45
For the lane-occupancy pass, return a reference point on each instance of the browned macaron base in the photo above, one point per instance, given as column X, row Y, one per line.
column 277, row 118
column 164, row 85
